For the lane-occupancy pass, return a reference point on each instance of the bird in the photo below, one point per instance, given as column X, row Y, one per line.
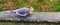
column 24, row 11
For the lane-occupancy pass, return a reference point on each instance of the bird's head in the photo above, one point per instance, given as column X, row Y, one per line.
column 31, row 9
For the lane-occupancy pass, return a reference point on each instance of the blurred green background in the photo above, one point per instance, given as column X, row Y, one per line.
column 38, row 5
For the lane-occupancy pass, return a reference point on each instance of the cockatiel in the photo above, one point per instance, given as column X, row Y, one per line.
column 23, row 11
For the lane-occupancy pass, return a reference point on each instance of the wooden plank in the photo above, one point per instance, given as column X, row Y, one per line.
column 46, row 16
column 36, row 16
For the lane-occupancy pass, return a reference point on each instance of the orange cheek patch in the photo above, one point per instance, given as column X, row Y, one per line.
column 31, row 11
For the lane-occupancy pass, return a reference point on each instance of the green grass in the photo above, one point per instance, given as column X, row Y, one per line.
column 37, row 4
column 57, row 9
